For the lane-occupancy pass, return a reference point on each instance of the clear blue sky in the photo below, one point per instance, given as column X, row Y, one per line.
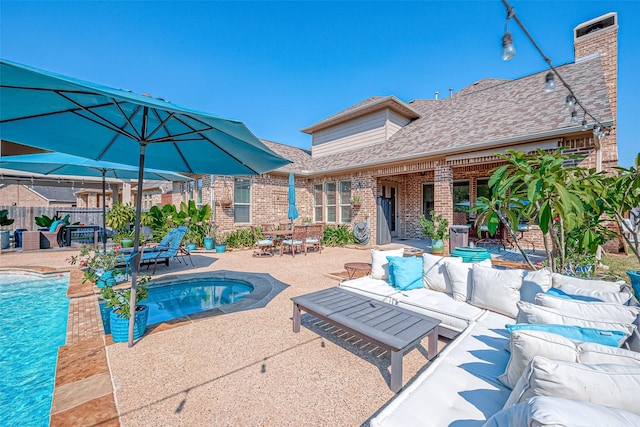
column 282, row 66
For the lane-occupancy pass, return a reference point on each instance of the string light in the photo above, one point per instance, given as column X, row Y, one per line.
column 571, row 100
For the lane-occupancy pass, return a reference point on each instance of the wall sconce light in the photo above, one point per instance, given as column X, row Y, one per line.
column 357, row 185
column 549, row 82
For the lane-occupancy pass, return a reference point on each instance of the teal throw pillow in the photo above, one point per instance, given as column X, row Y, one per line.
column 599, row 336
column 561, row 294
column 405, row 273
column 54, row 225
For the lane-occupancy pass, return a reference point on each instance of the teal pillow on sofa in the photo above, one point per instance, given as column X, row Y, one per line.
column 599, row 336
column 54, row 225
column 405, row 273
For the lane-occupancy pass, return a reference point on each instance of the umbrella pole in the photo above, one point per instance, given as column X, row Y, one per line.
column 136, row 241
column 104, row 212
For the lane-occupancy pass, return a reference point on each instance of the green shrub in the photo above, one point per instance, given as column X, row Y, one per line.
column 240, row 238
column 337, row 235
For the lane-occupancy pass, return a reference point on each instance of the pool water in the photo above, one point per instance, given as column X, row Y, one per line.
column 182, row 298
column 33, row 319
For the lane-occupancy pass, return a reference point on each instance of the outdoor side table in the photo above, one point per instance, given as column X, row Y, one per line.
column 357, row 267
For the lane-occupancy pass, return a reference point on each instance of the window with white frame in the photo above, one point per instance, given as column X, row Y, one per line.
column 330, row 201
column 242, row 200
column 317, row 202
column 345, row 201
column 199, row 192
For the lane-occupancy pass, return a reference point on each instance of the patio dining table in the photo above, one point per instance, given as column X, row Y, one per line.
column 278, row 233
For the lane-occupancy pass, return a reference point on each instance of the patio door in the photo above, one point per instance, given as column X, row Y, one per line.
column 390, row 192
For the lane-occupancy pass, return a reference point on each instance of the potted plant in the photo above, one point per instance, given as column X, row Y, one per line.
column 192, row 236
column 355, row 201
column 221, row 241
column 119, row 301
column 209, row 229
column 306, row 220
column 99, row 268
column 437, row 229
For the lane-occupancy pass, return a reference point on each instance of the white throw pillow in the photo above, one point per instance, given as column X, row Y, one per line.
column 592, row 354
column 618, row 297
column 544, row 411
column 610, row 385
column 434, row 275
column 496, row 290
column 560, row 280
column 380, row 264
column 460, row 276
column 604, row 311
column 525, row 345
column 531, row 313
column 535, row 282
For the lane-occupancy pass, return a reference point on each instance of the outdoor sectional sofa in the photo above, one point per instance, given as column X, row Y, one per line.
column 551, row 379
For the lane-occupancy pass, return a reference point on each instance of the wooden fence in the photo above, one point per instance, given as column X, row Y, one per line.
column 25, row 217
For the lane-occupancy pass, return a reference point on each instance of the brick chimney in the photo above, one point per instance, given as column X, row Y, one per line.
column 599, row 36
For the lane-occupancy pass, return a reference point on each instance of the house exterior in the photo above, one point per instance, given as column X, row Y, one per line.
column 404, row 159
column 36, row 196
column 154, row 193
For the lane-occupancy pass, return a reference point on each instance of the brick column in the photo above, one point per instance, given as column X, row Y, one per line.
column 443, row 194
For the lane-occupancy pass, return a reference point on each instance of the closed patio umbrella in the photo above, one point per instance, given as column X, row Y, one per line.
column 292, row 212
column 63, row 114
column 68, row 165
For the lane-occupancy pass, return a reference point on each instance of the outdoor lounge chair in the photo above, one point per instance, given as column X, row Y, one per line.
column 164, row 255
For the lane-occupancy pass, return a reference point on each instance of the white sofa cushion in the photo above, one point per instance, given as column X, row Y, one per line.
column 560, row 280
column 496, row 290
column 434, row 272
column 460, row 276
column 605, row 311
column 610, row 385
column 576, row 292
column 525, row 345
column 374, row 288
column 592, row 354
column 454, row 315
column 531, row 313
column 535, row 282
column 544, row 411
column 380, row 264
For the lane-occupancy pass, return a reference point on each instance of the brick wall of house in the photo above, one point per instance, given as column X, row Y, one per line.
column 443, row 194
column 20, row 195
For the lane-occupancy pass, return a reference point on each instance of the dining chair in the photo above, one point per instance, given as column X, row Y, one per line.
column 298, row 239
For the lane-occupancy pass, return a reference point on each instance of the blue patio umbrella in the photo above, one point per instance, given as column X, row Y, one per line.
column 68, row 165
column 292, row 212
column 63, row 114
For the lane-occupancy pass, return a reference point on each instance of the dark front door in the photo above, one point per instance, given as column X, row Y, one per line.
column 383, row 221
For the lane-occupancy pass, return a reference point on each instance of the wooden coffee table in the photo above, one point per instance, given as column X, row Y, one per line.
column 357, row 267
column 390, row 327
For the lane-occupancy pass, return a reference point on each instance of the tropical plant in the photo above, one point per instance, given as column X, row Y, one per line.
column 337, row 235
column 94, row 262
column 121, row 216
column 4, row 218
column 190, row 212
column 436, row 228
column 45, row 222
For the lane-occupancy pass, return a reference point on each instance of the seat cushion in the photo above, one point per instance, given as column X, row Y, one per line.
column 373, row 288
column 454, row 315
column 606, row 311
column 435, row 274
column 496, row 290
column 533, row 283
column 461, row 279
column 560, row 280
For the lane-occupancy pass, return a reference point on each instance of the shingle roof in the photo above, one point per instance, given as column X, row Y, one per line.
column 488, row 113
column 301, row 158
column 55, row 194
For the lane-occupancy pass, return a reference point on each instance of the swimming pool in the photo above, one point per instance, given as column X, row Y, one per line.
column 33, row 315
column 186, row 297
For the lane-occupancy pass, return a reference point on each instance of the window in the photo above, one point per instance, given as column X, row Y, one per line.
column 242, row 200
column 427, row 200
column 330, row 201
column 317, row 202
column 482, row 188
column 461, row 196
column 199, row 192
column 345, row 201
